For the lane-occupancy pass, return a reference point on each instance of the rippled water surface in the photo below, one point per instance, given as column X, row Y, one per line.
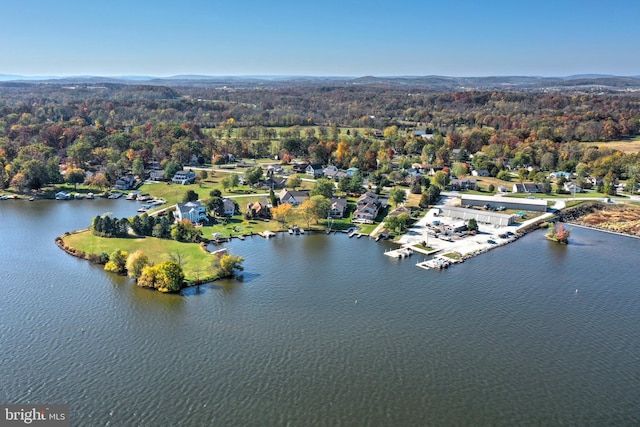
column 323, row 330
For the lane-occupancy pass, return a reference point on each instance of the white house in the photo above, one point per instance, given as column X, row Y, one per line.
column 184, row 177
column 193, row 211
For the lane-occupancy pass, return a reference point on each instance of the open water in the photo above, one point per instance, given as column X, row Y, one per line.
column 324, row 330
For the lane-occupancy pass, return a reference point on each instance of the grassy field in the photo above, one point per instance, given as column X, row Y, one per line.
column 195, row 262
column 628, row 146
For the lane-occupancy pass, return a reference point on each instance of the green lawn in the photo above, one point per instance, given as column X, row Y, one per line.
column 196, row 262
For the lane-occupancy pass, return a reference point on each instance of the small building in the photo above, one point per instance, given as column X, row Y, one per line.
column 193, row 211
column 352, row 171
column 184, row 177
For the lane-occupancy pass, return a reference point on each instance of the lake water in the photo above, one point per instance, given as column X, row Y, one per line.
column 324, row 330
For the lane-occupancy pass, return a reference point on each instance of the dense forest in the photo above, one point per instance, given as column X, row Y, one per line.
column 51, row 132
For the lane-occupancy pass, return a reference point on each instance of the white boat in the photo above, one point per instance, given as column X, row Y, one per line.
column 63, row 195
column 132, row 196
column 144, row 208
column 89, row 195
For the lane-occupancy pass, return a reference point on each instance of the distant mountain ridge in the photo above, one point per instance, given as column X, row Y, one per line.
column 591, row 82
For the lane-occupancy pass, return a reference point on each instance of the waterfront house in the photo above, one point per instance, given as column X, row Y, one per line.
column 126, row 182
column 229, row 208
column 184, row 177
column 257, row 210
column 367, row 208
column 156, row 175
column 338, row 207
column 293, row 197
column 194, row 211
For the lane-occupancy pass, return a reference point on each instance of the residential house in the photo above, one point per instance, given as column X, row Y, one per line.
column 229, row 207
column 184, row 177
column 273, row 182
column 332, row 172
column 126, row 182
column 422, row 134
column 293, row 197
column 352, row 171
column 572, row 187
column 558, row 174
column 459, row 184
column 257, row 210
column 367, row 208
column 400, row 210
column 156, row 175
column 528, row 188
column 314, row 170
column 193, row 211
column 338, row 207
column 299, row 167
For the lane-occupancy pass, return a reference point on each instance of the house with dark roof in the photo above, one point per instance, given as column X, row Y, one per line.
column 299, row 167
column 528, row 188
column 184, row 177
column 126, row 182
column 459, row 184
column 229, row 207
column 273, row 182
column 338, row 207
column 367, row 208
column 314, row 170
column 332, row 172
column 293, row 197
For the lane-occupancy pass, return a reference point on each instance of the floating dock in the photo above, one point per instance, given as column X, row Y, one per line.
column 399, row 253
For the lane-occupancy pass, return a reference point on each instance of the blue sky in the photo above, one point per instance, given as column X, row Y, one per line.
column 326, row 38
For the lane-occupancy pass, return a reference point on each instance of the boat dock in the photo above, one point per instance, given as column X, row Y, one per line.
column 400, row 253
column 437, row 263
